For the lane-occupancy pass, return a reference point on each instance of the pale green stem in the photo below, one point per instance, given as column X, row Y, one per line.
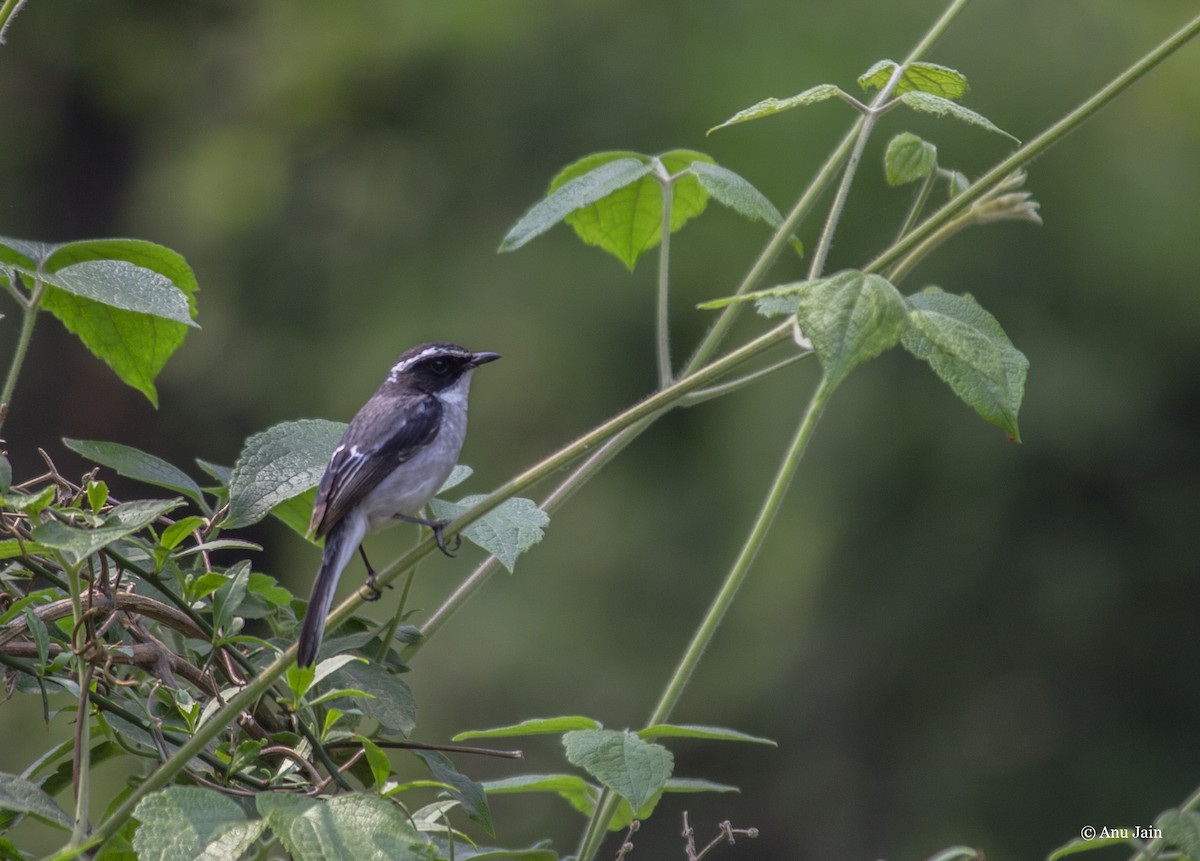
column 29, row 315
column 898, row 272
column 665, row 374
column 922, row 197
column 598, row 826
column 83, row 714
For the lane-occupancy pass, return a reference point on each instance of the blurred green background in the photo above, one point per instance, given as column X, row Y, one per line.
column 954, row 639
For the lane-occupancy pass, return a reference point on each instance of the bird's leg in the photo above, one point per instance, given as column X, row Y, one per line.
column 374, row 593
column 437, row 526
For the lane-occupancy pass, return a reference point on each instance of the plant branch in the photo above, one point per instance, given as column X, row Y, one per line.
column 29, row 314
column 1026, row 153
column 8, row 13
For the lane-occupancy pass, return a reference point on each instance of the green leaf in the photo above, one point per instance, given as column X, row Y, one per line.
column 31, row 503
column 39, row 634
column 634, row 769
column 715, row 733
column 77, row 543
column 627, row 222
column 850, row 317
column 278, row 464
column 21, row 796
column 507, row 531
column 354, row 825
column 1077, row 846
column 730, row 189
column 533, row 726
column 771, row 106
column 5, row 473
column 227, row 600
column 124, row 285
column 389, row 699
column 377, row 760
column 918, row 77
column 590, row 179
column 187, row 822
column 1181, row 828
column 130, row 302
column 572, row 788
column 957, row 853
column 908, row 158
column 138, row 465
column 174, row 534
column 968, row 349
column 936, row 105
column 468, row 792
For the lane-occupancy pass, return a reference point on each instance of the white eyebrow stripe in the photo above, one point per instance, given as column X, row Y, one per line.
column 404, row 364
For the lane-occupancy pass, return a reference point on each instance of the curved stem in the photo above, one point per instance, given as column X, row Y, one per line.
column 29, row 314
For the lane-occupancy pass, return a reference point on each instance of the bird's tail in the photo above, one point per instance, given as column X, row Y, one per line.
column 340, row 544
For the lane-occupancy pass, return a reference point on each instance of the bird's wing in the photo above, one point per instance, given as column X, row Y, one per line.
column 370, row 449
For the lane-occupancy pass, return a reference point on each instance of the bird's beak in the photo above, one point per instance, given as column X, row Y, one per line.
column 483, row 358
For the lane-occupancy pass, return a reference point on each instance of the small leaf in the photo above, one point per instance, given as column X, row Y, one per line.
column 1077, row 846
column 227, row 600
column 39, row 634
column 21, row 796
column 850, row 317
column 191, row 822
column 936, row 105
column 138, row 465
column 1181, row 828
column 97, row 495
column 605, row 173
column 389, row 699
column 628, row 221
column 377, row 760
column 771, row 106
column 507, row 531
column 918, row 77
column 908, row 158
column 969, row 350
column 354, row 825
column 468, row 792
column 634, row 769
column 714, row 733
column 5, row 473
column 278, row 464
column 174, row 534
column 730, row 189
column 572, row 788
column 533, row 726
column 77, row 543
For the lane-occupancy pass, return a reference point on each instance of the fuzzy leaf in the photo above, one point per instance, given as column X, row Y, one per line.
column 278, row 464
column 20, row 796
column 628, row 221
column 940, row 107
column 468, row 792
column 968, row 349
column 850, row 317
column 908, row 158
column 507, row 531
column 1181, row 828
column 730, row 189
column 356, row 825
column 712, row 733
column 182, row 823
column 636, row 770
column 130, row 302
column 577, row 186
column 390, row 701
column 533, row 726
column 918, row 77
column 77, row 543
column 138, row 465
column 770, row 106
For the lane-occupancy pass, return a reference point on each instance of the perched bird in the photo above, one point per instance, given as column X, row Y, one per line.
column 394, row 456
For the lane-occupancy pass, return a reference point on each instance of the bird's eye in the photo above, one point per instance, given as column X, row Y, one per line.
column 440, row 366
